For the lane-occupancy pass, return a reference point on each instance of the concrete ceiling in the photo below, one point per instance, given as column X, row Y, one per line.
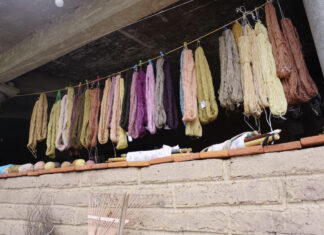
column 19, row 19
column 122, row 48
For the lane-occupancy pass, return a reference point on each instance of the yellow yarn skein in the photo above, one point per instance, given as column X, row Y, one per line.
column 84, row 139
column 122, row 140
column 208, row 109
column 52, row 129
column 277, row 99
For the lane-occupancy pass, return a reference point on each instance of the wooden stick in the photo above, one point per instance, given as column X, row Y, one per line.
column 117, row 159
column 260, row 141
column 247, row 139
column 123, row 214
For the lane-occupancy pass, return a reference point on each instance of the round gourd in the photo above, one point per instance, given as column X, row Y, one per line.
column 49, row 165
column 79, row 162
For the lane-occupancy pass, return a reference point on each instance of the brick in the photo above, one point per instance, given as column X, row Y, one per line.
column 214, row 154
column 138, row 164
column 68, row 215
column 70, row 197
column 186, row 157
column 312, row 141
column 198, row 221
column 59, row 180
column 18, row 182
column 245, row 151
column 71, row 230
column 109, row 177
column 100, row 166
column 19, row 196
column 150, row 232
column 294, row 162
column 161, row 160
column 117, row 164
column 275, row 221
column 252, row 192
column 203, row 170
column 148, row 196
column 305, row 188
column 13, row 211
column 83, row 168
column 282, row 147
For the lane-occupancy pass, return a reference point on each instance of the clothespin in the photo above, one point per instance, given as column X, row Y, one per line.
column 87, row 82
column 140, row 63
column 135, row 67
column 58, row 96
column 161, row 53
column 149, row 60
column 225, row 28
column 185, row 44
column 80, row 84
column 98, row 81
column 198, row 43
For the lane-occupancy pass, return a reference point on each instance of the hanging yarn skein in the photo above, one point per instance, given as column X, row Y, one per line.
column 279, row 47
column 237, row 31
column 141, row 118
column 126, row 101
column 258, row 81
column 85, row 131
column 159, row 114
column 70, row 101
column 275, row 92
column 73, row 115
column 77, row 124
column 208, row 109
column 38, row 123
column 61, row 137
column 93, row 118
column 180, row 84
column 189, row 87
column 114, row 131
column 291, row 85
column 103, row 132
column 307, row 88
column 132, row 126
column 122, row 140
column 149, row 96
column 251, row 101
column 111, row 101
column 169, row 101
column 230, row 91
column 52, row 129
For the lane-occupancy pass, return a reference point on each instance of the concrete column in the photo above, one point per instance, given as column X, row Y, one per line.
column 315, row 14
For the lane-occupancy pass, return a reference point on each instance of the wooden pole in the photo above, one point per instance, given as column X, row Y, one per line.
column 123, row 215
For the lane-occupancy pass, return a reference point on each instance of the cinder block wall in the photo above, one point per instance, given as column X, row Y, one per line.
column 273, row 193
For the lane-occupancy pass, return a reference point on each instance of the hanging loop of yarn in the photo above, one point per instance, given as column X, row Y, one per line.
column 38, row 123
column 275, row 91
column 159, row 114
column 150, row 96
column 114, row 127
column 189, row 87
column 208, row 109
column 132, row 127
column 122, row 140
column 103, row 132
column 85, row 131
column 52, row 129
column 93, row 119
column 141, row 118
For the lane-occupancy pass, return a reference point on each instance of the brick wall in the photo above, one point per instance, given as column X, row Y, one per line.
column 272, row 193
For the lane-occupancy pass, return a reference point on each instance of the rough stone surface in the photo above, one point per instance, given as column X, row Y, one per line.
column 271, row 193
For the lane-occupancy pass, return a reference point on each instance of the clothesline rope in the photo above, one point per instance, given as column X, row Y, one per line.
column 146, row 62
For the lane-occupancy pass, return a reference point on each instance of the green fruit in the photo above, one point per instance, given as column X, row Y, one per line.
column 79, row 162
column 49, row 165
